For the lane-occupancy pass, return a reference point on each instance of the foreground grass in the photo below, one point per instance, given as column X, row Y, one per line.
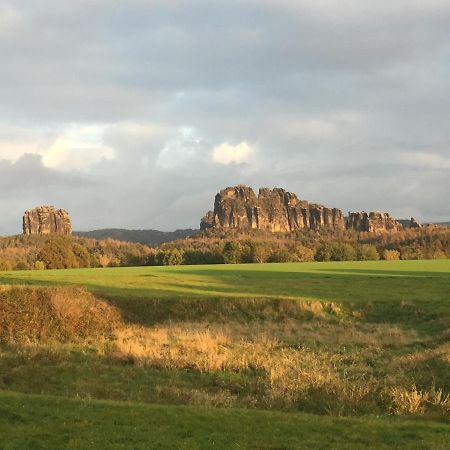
column 37, row 422
column 334, row 339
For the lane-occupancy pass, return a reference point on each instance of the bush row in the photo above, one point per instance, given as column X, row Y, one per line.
column 231, row 247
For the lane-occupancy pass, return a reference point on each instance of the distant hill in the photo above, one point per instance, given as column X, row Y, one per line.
column 152, row 238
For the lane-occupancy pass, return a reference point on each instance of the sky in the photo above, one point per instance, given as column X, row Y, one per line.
column 135, row 113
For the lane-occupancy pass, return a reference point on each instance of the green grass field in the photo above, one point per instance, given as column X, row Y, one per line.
column 42, row 422
column 307, row 355
column 424, row 284
column 322, row 281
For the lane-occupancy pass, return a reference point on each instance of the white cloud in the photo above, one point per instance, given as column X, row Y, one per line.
column 77, row 148
column 179, row 150
column 228, row 154
column 74, row 147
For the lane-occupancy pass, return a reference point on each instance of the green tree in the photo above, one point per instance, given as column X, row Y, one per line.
column 57, row 253
column 367, row 252
column 192, row 257
column 281, row 256
column 82, row 255
column 172, row 257
column 336, row 251
column 232, row 253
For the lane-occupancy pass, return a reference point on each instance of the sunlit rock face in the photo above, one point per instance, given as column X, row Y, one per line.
column 45, row 220
column 278, row 210
column 272, row 210
column 371, row 222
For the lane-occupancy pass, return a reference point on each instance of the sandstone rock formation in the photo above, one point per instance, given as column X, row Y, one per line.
column 272, row 210
column 46, row 220
column 279, row 210
column 371, row 222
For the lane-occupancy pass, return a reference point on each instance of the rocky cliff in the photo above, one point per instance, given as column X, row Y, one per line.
column 279, row 210
column 46, row 220
column 371, row 222
column 272, row 210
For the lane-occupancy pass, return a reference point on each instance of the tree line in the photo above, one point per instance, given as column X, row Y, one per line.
column 255, row 246
column 67, row 252
column 224, row 247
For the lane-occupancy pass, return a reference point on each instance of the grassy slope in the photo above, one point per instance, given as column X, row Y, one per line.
column 345, row 281
column 386, row 286
column 34, row 422
column 264, row 280
column 413, row 294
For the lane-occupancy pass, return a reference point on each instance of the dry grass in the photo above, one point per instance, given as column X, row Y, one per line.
column 40, row 314
column 415, row 401
column 319, row 373
column 316, row 359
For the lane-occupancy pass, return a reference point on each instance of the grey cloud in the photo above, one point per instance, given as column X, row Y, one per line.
column 27, row 183
column 329, row 94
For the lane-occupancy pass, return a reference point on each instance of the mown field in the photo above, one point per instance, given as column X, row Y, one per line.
column 306, row 355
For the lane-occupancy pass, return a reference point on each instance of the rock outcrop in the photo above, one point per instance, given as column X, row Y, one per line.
column 279, row 210
column 46, row 220
column 371, row 222
column 272, row 210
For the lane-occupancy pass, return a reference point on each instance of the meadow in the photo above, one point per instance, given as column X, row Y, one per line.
column 312, row 355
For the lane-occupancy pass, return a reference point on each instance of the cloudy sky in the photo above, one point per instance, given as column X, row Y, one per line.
column 135, row 113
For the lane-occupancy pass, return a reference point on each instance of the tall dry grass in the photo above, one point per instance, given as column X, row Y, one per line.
column 39, row 314
column 311, row 357
column 325, row 372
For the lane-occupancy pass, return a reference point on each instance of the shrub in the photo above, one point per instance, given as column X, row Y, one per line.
column 303, row 253
column 336, row 251
column 439, row 254
column 172, row 258
column 22, row 265
column 232, row 253
column 39, row 265
column 410, row 253
column 192, row 257
column 261, row 253
column 5, row 265
column 281, row 256
column 367, row 252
